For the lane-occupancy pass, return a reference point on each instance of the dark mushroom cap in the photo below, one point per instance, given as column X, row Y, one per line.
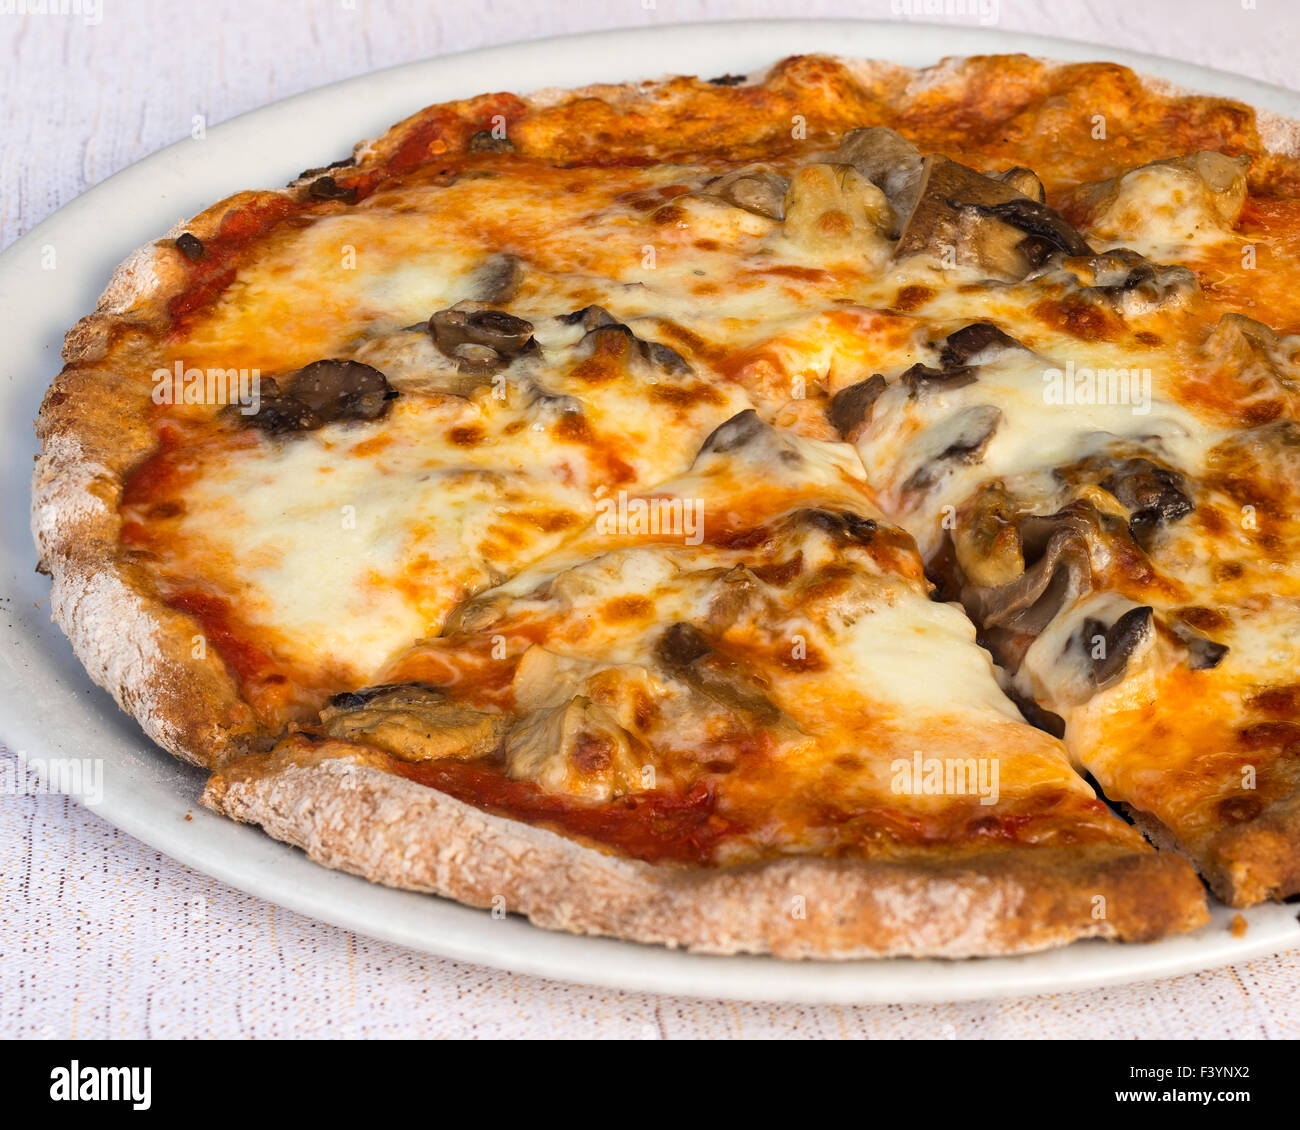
column 686, row 653
column 979, row 339
column 842, row 525
column 281, row 415
column 1154, row 495
column 324, row 392
column 480, row 338
column 342, row 390
column 850, row 408
column 922, row 379
column 1203, row 653
column 1120, row 640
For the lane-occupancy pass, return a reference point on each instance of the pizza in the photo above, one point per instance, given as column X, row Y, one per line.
column 834, row 512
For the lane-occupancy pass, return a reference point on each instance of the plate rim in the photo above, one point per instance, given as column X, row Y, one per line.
column 273, row 871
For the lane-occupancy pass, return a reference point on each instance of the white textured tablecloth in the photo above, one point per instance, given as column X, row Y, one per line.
column 102, row 936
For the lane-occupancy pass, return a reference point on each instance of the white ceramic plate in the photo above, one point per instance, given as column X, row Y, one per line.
column 49, row 708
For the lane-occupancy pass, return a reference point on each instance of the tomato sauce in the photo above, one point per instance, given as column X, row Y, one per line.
column 654, row 826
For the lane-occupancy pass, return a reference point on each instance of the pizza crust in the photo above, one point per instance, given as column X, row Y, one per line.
column 347, row 813
column 1245, row 864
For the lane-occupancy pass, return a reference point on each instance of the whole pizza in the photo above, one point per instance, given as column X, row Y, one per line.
column 840, row 511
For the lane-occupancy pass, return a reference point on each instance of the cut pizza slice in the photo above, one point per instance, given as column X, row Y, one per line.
column 1120, row 521
column 728, row 716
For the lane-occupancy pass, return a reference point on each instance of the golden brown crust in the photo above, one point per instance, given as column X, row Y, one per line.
column 1246, row 863
column 1256, row 860
column 347, row 813
column 131, row 643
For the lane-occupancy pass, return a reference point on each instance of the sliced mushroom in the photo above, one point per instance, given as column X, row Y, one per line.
column 653, row 353
column 413, row 721
column 687, row 655
column 976, row 344
column 747, row 437
column 1024, row 181
column 498, row 280
column 598, row 321
column 281, row 415
column 477, row 614
column 987, row 542
column 1038, row 716
column 921, row 380
column 958, row 440
column 1058, row 571
column 842, row 525
column 755, row 188
column 589, row 317
column 1264, row 365
column 544, row 678
column 1154, row 496
column 480, row 338
column 1224, row 176
column 733, row 595
column 889, row 161
column 1245, row 341
column 1058, row 578
column 850, row 408
column 342, row 390
column 546, row 405
column 1123, row 280
column 1046, row 230
column 1112, row 648
column 324, row 392
column 577, row 748
column 1203, row 653
column 680, row 645
column 1166, row 201
column 952, row 221
column 835, row 208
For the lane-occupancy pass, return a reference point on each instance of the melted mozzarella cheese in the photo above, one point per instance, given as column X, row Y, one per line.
column 349, row 553
column 919, row 655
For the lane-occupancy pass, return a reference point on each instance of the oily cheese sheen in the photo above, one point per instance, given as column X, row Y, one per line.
column 785, row 515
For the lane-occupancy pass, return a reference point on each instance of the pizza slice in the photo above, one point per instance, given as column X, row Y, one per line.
column 1117, row 516
column 749, row 728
